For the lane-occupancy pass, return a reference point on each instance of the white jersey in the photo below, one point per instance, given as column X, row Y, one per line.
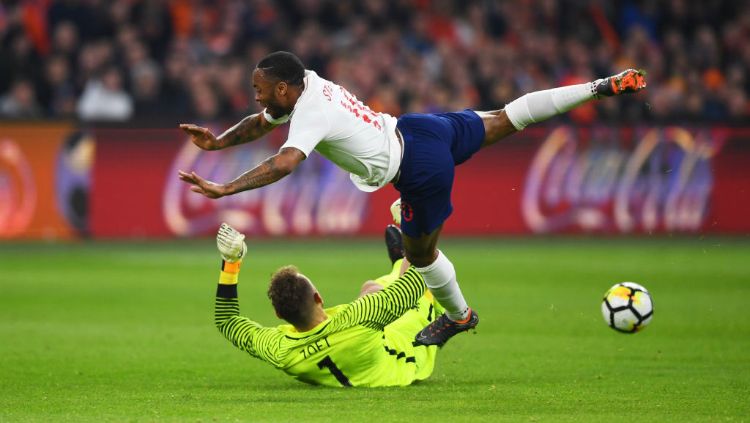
column 329, row 119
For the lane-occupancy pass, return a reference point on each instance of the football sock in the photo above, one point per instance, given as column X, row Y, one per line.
column 440, row 277
column 542, row 105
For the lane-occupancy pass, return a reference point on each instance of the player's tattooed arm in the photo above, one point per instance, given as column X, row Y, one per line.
column 265, row 173
column 270, row 171
column 248, row 129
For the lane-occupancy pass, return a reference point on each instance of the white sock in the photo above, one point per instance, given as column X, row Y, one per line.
column 440, row 277
column 542, row 105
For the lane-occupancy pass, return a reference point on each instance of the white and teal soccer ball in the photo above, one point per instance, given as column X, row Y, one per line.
column 627, row 307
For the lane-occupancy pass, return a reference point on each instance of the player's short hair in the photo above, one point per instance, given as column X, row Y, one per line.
column 291, row 295
column 283, row 66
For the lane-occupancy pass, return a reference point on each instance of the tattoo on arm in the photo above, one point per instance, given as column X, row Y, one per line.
column 265, row 173
column 248, row 129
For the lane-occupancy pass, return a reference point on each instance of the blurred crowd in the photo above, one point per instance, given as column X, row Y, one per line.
column 168, row 60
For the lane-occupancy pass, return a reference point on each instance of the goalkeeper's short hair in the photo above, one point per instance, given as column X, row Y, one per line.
column 291, row 295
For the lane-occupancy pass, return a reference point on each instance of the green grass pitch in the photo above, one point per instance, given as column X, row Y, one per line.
column 124, row 332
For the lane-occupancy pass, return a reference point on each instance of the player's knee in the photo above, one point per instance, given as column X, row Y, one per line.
column 421, row 258
column 422, row 251
column 497, row 126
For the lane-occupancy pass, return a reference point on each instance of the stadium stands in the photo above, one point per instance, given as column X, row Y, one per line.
column 161, row 61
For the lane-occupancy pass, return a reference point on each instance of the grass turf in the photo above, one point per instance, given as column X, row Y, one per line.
column 124, row 332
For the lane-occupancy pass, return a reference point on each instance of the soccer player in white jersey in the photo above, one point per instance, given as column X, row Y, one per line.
column 416, row 152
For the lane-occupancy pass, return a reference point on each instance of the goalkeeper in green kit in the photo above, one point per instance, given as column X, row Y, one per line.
column 367, row 342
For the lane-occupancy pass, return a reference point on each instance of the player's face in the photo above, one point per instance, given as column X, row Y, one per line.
column 270, row 94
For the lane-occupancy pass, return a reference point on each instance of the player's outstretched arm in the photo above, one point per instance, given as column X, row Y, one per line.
column 245, row 334
column 268, row 172
column 248, row 129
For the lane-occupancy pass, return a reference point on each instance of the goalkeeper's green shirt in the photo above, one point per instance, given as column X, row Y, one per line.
column 367, row 342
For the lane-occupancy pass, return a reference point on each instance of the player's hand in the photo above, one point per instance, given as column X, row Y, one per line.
column 203, row 186
column 202, row 137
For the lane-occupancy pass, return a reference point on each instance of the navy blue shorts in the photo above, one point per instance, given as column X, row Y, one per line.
column 434, row 144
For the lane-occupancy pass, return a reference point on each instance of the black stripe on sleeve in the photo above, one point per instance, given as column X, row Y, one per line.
column 226, row 291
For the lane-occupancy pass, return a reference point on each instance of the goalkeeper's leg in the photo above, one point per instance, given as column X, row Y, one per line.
column 395, row 246
column 376, row 285
column 402, row 332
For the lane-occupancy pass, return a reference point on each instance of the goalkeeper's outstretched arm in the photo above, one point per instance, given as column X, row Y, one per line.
column 378, row 309
column 227, row 305
column 245, row 334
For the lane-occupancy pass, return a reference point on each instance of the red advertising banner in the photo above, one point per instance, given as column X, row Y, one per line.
column 137, row 193
column 43, row 172
column 543, row 180
column 131, row 169
column 604, row 180
column 638, row 180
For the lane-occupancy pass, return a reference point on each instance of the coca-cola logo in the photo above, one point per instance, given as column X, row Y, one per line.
column 664, row 182
column 317, row 198
column 17, row 190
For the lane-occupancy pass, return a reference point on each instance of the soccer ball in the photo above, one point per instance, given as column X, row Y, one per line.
column 627, row 307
